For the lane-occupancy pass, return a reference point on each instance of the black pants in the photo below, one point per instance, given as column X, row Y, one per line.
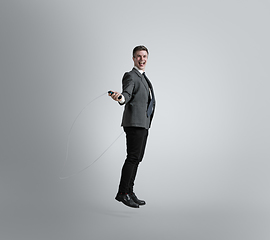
column 136, row 141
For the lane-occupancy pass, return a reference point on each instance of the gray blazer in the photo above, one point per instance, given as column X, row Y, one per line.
column 137, row 96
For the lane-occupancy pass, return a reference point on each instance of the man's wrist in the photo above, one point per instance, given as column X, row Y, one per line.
column 122, row 100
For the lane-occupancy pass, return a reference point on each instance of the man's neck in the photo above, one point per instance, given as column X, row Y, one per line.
column 141, row 71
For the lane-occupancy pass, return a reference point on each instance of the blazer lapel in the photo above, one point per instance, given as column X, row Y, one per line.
column 141, row 77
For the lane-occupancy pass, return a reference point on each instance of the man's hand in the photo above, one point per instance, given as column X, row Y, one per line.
column 115, row 96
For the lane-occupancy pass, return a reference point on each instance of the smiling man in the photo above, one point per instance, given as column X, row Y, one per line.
column 139, row 100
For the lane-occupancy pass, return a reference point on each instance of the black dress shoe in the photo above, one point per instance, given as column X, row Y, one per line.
column 127, row 200
column 136, row 200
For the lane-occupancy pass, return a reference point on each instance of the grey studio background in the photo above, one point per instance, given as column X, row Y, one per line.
column 205, row 175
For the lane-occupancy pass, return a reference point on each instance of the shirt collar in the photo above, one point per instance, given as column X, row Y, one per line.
column 140, row 71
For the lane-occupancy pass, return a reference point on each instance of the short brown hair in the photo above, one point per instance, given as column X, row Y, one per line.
column 140, row 48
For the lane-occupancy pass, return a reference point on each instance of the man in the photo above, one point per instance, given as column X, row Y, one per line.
column 139, row 100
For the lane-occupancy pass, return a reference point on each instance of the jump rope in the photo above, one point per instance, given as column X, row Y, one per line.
column 68, row 140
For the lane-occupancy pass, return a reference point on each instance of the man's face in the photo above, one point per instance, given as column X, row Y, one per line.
column 140, row 59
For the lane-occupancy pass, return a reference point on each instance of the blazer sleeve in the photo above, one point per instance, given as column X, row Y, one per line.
column 127, row 87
